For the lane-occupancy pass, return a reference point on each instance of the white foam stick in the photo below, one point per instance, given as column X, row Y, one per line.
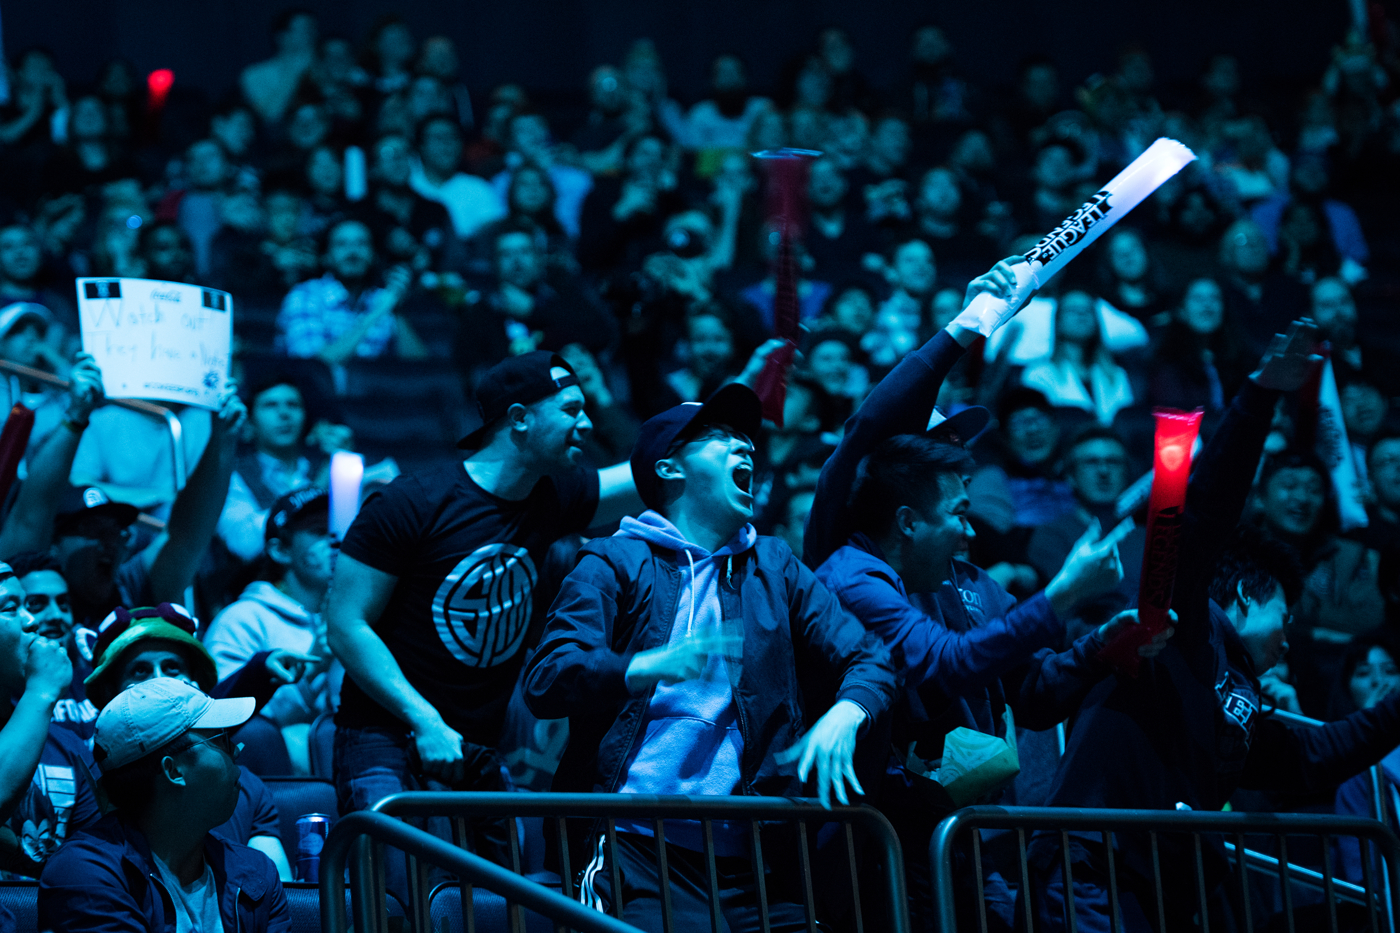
column 347, row 470
column 1127, row 190
column 1335, row 450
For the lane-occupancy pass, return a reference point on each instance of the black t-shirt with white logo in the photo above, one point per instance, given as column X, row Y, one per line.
column 466, row 565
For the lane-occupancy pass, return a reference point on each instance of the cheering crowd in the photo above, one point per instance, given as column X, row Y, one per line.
column 628, row 579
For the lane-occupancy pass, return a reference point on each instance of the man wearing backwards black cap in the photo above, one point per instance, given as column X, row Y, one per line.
column 967, row 652
column 671, row 648
column 153, row 864
column 433, row 590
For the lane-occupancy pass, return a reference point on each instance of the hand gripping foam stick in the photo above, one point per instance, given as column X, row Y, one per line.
column 1127, row 190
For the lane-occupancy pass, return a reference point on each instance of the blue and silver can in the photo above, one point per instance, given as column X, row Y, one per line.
column 312, row 831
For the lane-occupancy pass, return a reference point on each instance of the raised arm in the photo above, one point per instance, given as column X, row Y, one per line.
column 1301, row 759
column 899, row 404
column 47, row 676
column 195, row 513
column 29, row 526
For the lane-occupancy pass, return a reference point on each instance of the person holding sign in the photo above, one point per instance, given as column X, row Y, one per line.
column 970, row 658
column 1188, row 730
column 341, row 315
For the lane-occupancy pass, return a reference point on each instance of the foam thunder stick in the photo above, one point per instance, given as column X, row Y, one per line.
column 347, row 472
column 1166, row 513
column 1127, row 190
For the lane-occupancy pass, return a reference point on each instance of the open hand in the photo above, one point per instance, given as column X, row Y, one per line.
column 232, row 411
column 84, row 387
column 1289, row 360
column 684, row 660
column 830, row 747
column 1092, row 568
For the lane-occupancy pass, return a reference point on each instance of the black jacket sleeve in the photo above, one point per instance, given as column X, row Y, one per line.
column 1302, row 759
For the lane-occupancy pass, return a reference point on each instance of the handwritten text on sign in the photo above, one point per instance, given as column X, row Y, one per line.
column 165, row 341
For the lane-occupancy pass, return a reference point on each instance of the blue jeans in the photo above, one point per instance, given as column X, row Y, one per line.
column 371, row 764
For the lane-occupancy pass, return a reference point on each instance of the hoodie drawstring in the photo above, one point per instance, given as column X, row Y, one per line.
column 690, row 626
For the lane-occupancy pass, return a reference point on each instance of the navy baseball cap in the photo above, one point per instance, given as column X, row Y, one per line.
column 734, row 406
column 960, row 429
column 293, row 505
column 77, row 501
column 518, row 380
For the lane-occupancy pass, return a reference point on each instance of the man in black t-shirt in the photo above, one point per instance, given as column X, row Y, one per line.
column 433, row 591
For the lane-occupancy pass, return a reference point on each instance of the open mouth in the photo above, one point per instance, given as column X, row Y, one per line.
column 743, row 478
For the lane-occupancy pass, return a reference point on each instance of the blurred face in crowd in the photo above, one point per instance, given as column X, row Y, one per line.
column 727, row 74
column 299, row 38
column 1054, row 168
column 812, row 90
column 18, row 630
column 557, row 427
column 1246, row 251
column 349, row 251
column 914, row 269
column 394, row 46
column 711, row 346
column 277, row 416
column 529, row 133
column 1293, row 500
column 392, row 162
column 1127, row 256
column 826, row 185
column 91, row 548
column 20, row 256
column 800, row 414
column 22, row 344
column 439, row 58
column 283, row 212
column 606, row 91
column 1222, row 77
column 1098, row 471
column 1334, row 311
column 830, row 363
column 890, row 141
column 440, row 147
column 337, row 64
column 308, row 127
column 794, row 522
column 716, row 467
column 930, row 46
column 518, row 260
column 1263, row 627
column 973, row 153
column 234, row 131
column 939, row 195
column 836, row 51
column 426, row 95
column 1203, row 307
column 1196, row 216
column 1374, row 679
column 324, row 174
column 947, row 304
column 1364, row 408
column 1040, row 87
column 646, row 160
column 1076, row 318
column 1031, row 435
column 1384, row 468
column 853, row 310
column 530, row 192
column 89, row 118
column 46, row 599
column 168, row 254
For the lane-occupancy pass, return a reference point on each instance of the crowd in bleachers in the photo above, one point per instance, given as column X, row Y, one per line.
column 389, row 235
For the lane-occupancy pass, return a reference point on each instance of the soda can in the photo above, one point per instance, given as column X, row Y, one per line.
column 312, row 831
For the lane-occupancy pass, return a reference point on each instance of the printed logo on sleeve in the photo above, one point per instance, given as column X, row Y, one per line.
column 482, row 608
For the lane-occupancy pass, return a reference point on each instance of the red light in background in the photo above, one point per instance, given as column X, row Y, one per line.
column 158, row 83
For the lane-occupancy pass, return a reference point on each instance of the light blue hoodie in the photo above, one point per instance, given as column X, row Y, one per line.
column 690, row 741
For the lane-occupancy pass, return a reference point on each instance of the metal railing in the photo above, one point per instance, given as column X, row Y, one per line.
column 1064, row 820
column 367, row 876
column 355, row 827
column 172, row 421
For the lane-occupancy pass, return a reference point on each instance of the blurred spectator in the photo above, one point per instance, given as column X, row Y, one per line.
column 720, row 122
column 849, row 88
column 21, row 279
column 270, row 85
column 90, row 157
column 282, row 610
column 1334, row 310
column 166, row 252
column 837, row 236
column 614, row 427
column 260, row 265
column 529, row 141
column 408, row 228
column 34, row 117
column 196, row 207
column 622, row 218
column 531, row 199
column 22, row 329
column 341, row 81
column 1338, row 234
column 1080, row 372
column 341, row 315
column 323, row 178
column 1260, row 298
column 937, row 92
column 1251, row 165
column 1130, row 284
column 438, row 59
column 1370, row 673
column 604, row 135
column 904, row 317
column 711, row 357
column 471, row 201
column 391, row 48
column 964, row 251
column 1196, row 359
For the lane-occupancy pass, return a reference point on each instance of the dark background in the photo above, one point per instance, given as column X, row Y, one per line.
column 550, row 45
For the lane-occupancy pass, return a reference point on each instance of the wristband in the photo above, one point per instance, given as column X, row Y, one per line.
column 74, row 425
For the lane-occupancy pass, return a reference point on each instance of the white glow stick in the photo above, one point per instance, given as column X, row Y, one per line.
column 1127, row 190
column 1335, row 450
column 347, row 470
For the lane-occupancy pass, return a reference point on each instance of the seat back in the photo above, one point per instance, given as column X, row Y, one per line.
column 304, row 906
column 489, row 908
column 295, row 797
column 21, row 898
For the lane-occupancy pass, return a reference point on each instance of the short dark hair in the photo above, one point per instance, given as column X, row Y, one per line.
column 1386, row 435
column 429, row 120
column 1020, row 398
column 1097, row 432
column 906, row 469
column 27, row 562
column 1256, row 564
column 1293, row 459
column 1361, row 646
column 284, row 19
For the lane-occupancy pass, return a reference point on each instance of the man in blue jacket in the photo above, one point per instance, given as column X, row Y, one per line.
column 969, row 656
column 1190, row 728
column 152, row 865
column 689, row 655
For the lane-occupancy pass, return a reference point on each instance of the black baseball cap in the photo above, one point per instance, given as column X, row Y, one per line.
column 519, row 380
column 78, row 501
column 292, row 506
column 734, row 406
column 960, row 429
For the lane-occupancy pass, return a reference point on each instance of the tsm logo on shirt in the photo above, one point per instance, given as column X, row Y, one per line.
column 482, row 608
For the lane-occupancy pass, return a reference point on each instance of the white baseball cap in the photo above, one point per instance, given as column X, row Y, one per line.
column 145, row 716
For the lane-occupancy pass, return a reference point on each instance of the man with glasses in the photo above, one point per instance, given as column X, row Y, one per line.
column 154, row 863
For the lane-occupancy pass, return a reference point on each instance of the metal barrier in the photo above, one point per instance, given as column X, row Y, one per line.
column 367, row 877
column 172, row 421
column 423, row 845
column 1063, row 820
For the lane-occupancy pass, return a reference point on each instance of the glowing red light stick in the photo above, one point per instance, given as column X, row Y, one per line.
column 13, row 441
column 158, row 84
column 1166, row 508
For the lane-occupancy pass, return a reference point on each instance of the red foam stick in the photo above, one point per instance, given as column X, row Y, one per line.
column 1166, row 511
column 787, row 198
column 13, row 441
column 158, row 84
